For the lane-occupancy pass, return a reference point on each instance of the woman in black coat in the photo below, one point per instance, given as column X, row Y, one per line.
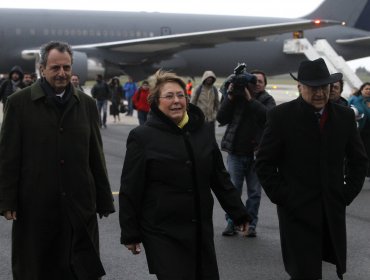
column 116, row 98
column 172, row 163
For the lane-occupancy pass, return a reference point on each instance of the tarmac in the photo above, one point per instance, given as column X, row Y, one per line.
column 238, row 257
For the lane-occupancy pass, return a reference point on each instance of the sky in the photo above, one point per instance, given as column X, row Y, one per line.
column 268, row 8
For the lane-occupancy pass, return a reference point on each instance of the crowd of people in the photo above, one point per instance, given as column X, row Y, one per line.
column 309, row 155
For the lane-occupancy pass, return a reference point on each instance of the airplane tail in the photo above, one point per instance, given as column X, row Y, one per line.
column 354, row 13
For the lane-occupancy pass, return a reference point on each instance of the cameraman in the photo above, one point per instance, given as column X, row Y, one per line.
column 243, row 110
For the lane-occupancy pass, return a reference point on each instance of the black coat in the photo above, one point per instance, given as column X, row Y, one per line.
column 6, row 87
column 301, row 170
column 52, row 172
column 245, row 121
column 166, row 200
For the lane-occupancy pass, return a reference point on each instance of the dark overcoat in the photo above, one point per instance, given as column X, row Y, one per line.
column 53, row 173
column 301, row 170
column 166, row 200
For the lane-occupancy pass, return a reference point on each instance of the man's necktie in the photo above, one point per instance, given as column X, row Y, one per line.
column 321, row 119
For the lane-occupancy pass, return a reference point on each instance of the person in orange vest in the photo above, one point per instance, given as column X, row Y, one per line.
column 189, row 87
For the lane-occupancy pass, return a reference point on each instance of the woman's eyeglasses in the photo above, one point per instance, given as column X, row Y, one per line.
column 171, row 96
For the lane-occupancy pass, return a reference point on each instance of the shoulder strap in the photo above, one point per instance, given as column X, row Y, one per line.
column 197, row 93
column 217, row 101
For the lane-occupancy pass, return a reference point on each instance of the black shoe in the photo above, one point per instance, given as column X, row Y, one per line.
column 229, row 230
column 251, row 232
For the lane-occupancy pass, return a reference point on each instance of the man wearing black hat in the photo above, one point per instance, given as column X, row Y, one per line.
column 300, row 167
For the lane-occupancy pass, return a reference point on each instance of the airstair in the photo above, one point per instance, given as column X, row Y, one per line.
column 321, row 48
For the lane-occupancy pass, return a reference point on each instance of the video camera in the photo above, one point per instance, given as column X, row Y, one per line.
column 240, row 79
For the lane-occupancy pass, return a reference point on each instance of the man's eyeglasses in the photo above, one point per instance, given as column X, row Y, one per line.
column 171, row 96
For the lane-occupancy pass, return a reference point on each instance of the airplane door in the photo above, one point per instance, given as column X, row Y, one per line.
column 165, row 30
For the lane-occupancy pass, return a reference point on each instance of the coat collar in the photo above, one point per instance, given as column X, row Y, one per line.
column 158, row 119
column 309, row 108
column 37, row 92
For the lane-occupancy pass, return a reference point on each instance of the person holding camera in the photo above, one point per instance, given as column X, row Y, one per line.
column 243, row 110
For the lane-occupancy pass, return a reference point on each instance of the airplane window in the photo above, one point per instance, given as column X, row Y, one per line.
column 53, row 32
column 165, row 30
column 60, row 32
column 78, row 32
column 98, row 33
column 105, row 33
column 32, row 32
column 46, row 32
column 138, row 34
column 118, row 33
column 125, row 34
column 91, row 32
column 18, row 31
column 66, row 32
column 145, row 34
column 151, row 34
column 132, row 33
column 85, row 32
column 111, row 33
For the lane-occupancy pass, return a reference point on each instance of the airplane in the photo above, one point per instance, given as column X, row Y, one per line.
column 138, row 43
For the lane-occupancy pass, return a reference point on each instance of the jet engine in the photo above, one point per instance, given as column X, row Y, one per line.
column 88, row 67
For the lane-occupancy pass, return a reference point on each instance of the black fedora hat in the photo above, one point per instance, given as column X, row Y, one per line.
column 315, row 73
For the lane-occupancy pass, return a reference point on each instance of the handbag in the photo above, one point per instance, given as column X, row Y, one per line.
column 122, row 108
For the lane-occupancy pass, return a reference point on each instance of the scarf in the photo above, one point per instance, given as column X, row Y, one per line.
column 184, row 120
column 51, row 96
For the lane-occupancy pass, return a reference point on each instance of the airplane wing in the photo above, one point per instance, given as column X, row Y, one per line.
column 359, row 42
column 155, row 49
column 161, row 47
column 204, row 39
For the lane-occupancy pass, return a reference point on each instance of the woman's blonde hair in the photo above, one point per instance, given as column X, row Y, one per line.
column 158, row 80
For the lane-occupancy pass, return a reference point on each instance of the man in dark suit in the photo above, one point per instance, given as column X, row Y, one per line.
column 53, row 177
column 300, row 167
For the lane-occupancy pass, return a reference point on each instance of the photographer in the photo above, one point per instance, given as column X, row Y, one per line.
column 243, row 110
